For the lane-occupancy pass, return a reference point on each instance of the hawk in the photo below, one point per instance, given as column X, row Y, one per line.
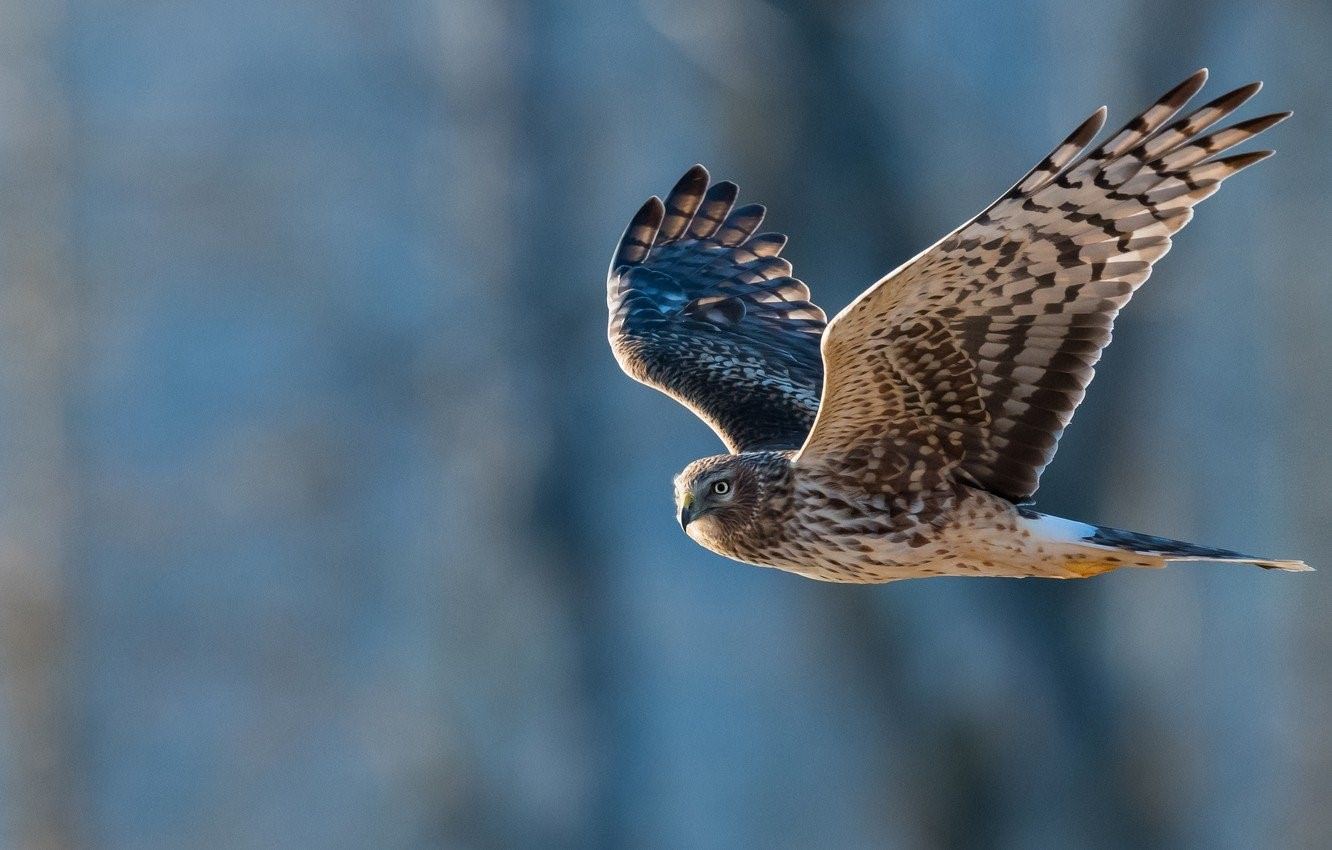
column 906, row 437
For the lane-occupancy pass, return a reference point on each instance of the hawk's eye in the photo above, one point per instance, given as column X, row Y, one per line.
column 721, row 488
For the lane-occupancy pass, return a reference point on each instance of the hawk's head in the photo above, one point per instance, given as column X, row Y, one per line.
column 718, row 496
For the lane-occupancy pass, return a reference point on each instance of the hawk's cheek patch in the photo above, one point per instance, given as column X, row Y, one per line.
column 703, row 530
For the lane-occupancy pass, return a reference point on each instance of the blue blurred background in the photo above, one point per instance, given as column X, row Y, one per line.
column 328, row 520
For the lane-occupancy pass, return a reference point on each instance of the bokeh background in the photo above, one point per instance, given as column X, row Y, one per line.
column 327, row 519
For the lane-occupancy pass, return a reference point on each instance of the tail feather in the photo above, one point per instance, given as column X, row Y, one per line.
column 1178, row 550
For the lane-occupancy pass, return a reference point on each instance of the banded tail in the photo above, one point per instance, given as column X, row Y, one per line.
column 1178, row 550
column 1153, row 551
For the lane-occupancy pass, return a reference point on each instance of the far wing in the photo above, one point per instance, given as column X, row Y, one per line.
column 707, row 312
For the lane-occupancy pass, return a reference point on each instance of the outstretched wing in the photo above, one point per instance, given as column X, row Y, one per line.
column 978, row 350
column 707, row 312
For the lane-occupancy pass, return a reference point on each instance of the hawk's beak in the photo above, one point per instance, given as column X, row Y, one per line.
column 686, row 510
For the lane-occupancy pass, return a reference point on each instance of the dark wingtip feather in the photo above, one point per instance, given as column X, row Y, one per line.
column 1143, row 125
column 1087, row 130
column 1184, row 92
column 1054, row 162
column 1099, row 116
column 681, row 202
column 1234, row 99
column 1262, row 122
column 1240, row 94
column 1244, row 160
column 639, row 234
column 740, row 224
column 713, row 210
column 1184, row 131
column 695, row 179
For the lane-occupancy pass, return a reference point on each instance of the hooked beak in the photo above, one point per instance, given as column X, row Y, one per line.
column 686, row 510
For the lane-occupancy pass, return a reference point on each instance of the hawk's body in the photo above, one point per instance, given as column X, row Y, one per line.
column 903, row 438
column 824, row 528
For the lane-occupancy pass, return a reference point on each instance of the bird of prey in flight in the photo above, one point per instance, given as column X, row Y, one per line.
column 906, row 437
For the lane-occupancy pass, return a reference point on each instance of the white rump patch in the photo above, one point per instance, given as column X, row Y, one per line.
column 1060, row 530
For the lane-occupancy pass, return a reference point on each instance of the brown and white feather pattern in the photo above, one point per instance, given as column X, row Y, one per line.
column 945, row 386
column 977, row 351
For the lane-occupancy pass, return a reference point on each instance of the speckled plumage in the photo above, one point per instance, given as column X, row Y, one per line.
column 903, row 438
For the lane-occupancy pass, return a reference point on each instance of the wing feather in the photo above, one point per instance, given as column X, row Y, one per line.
column 706, row 311
column 979, row 349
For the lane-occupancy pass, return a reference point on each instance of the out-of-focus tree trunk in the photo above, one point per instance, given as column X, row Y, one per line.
column 39, row 346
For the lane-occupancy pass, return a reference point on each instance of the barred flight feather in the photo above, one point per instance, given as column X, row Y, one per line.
column 1012, row 310
column 705, row 310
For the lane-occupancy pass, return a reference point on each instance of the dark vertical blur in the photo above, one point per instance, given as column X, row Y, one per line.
column 327, row 519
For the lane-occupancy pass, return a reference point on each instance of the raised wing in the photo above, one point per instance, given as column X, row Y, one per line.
column 979, row 349
column 707, row 312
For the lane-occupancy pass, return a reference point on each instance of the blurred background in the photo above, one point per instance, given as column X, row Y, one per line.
column 327, row 519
